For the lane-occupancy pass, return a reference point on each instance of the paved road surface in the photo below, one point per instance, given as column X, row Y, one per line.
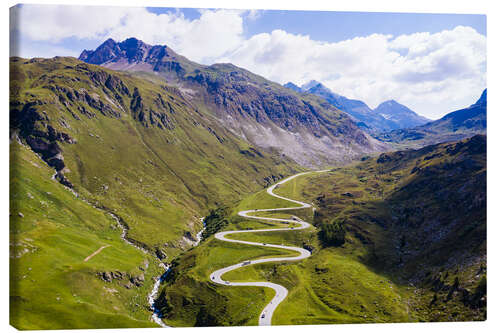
column 281, row 292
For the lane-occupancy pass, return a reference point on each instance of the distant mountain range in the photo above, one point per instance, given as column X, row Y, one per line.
column 454, row 126
column 261, row 112
column 400, row 114
column 389, row 115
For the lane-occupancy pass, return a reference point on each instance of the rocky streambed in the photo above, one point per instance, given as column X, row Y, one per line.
column 154, row 292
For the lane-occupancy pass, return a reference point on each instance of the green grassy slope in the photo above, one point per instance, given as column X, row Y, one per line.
column 188, row 298
column 135, row 146
column 331, row 286
column 51, row 233
column 417, row 216
column 415, row 223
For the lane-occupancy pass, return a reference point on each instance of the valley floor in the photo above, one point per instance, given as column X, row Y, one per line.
column 393, row 209
column 330, row 286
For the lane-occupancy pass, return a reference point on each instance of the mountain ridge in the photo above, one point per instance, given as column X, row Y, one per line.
column 127, row 54
column 303, row 127
column 387, row 116
column 456, row 125
column 401, row 114
column 137, row 147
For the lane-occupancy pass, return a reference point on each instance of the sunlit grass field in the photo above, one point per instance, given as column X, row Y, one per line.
column 331, row 286
column 52, row 232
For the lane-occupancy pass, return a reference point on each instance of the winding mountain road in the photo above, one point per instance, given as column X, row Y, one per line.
column 281, row 292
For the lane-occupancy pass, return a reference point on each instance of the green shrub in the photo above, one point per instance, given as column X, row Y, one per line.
column 215, row 221
column 332, row 233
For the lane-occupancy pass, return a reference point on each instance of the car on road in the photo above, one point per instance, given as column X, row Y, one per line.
column 248, row 262
column 263, row 316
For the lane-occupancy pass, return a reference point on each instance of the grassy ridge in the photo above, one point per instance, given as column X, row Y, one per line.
column 417, row 216
column 136, row 146
column 52, row 232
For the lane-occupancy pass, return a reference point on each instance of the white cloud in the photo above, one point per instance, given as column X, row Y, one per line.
column 431, row 73
column 54, row 23
column 203, row 39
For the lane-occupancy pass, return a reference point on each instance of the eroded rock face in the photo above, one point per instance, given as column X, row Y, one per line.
column 160, row 254
column 96, row 92
column 137, row 280
column 232, row 92
column 301, row 126
column 106, row 276
column 304, row 128
column 189, row 236
column 34, row 126
column 130, row 280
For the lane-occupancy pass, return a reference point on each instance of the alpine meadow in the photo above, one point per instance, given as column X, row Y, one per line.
column 176, row 167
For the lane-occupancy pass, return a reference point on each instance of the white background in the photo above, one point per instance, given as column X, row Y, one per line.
column 490, row 8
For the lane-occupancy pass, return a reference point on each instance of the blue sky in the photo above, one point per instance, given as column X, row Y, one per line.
column 325, row 25
column 433, row 63
column 336, row 26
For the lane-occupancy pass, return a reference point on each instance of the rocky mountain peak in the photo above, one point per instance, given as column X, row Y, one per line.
column 106, row 51
column 387, row 116
column 311, row 84
column 136, row 50
column 394, row 111
column 110, row 42
column 293, row 86
column 129, row 51
column 390, row 106
column 390, row 102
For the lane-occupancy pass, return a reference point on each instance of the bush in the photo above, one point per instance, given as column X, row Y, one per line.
column 215, row 222
column 332, row 233
column 205, row 318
